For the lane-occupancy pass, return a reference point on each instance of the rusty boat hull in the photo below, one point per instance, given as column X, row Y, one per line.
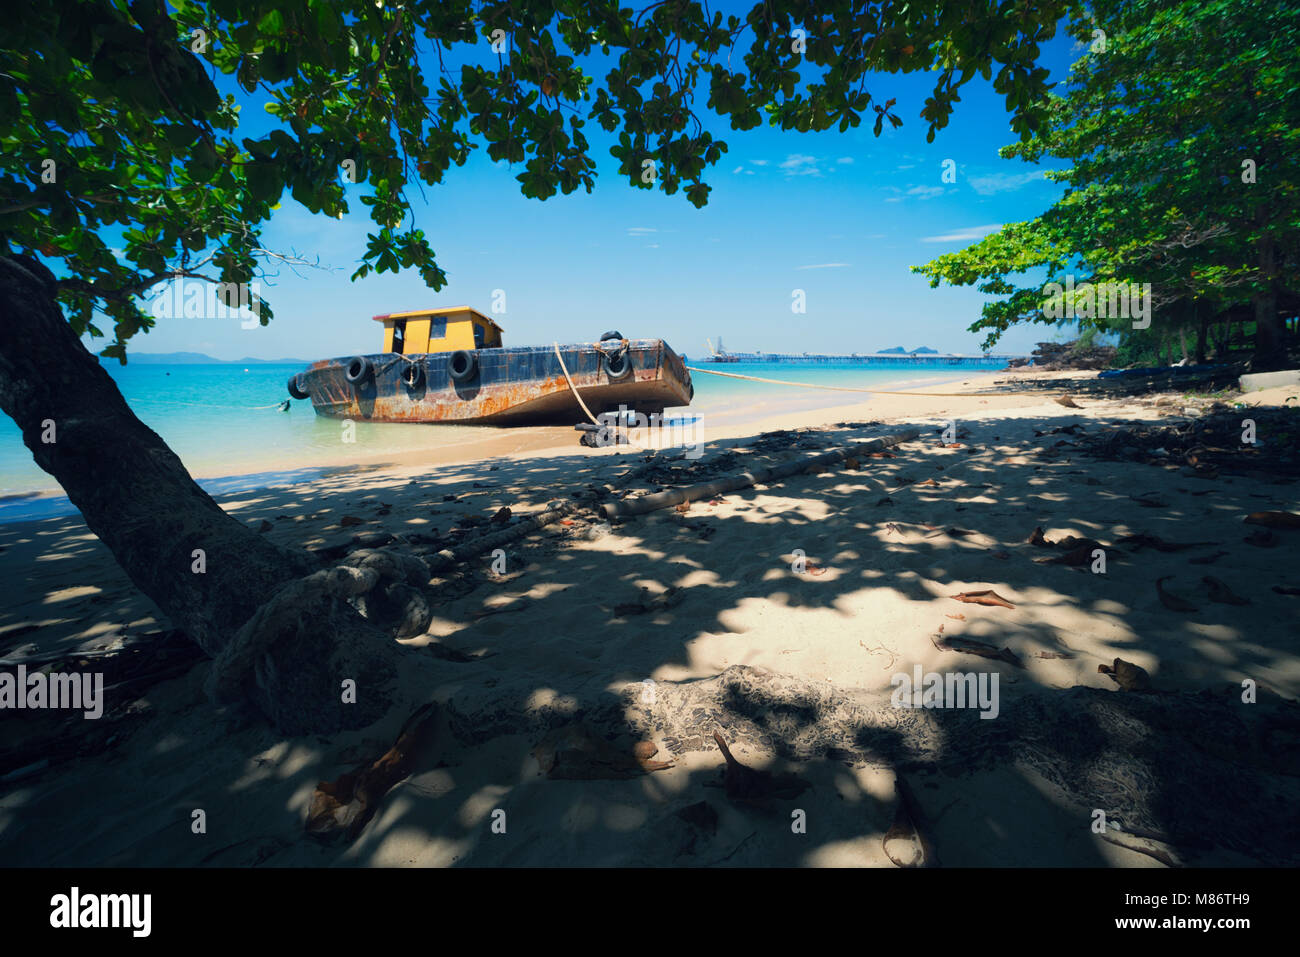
column 507, row 386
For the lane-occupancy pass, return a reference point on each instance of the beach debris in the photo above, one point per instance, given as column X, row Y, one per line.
column 650, row 603
column 969, row 646
column 881, row 455
column 1052, row 654
column 1150, row 500
column 880, row 650
column 910, row 827
column 1172, row 602
column 1286, row 590
column 985, row 597
column 815, row 570
column 1038, row 539
column 885, row 501
column 1217, row 591
column 751, row 786
column 1068, row 402
column 502, row 515
column 956, row 617
column 1142, row 540
column 344, row 807
column 959, row 532
column 1261, row 538
column 852, row 464
column 1080, row 555
column 576, row 753
column 1128, row 676
column 348, row 520
column 1208, row 559
column 893, row 527
column 928, row 481
column 1273, row 519
column 682, row 508
column 702, row 815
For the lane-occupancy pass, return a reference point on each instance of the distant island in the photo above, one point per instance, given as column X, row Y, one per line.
column 900, row 351
column 198, row 358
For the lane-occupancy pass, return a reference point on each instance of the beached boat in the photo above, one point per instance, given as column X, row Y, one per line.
column 449, row 365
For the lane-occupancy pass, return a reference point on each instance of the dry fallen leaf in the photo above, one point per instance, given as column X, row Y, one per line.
column 1261, row 537
column 1217, row 591
column 1274, row 519
column 986, row 597
column 1068, row 402
column 1037, row 538
column 970, row 646
column 1128, row 676
column 1172, row 602
column 957, row 617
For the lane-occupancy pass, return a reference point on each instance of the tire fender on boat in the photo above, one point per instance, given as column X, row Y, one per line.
column 612, row 334
column 359, row 369
column 617, row 365
column 413, row 375
column 295, row 387
column 461, row 365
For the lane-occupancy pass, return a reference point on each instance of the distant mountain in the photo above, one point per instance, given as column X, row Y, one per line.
column 198, row 358
column 896, row 351
column 924, row 350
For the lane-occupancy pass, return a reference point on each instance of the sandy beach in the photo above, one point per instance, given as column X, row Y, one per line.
column 779, row 615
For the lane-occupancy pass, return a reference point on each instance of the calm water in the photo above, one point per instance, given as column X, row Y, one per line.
column 222, row 419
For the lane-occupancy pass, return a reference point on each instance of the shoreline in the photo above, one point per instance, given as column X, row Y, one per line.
column 51, row 502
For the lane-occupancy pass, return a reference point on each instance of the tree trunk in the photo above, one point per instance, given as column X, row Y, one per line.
column 205, row 570
column 1202, row 332
column 1269, row 353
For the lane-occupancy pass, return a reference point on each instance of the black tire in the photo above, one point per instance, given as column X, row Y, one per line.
column 462, row 365
column 359, row 369
column 295, row 389
column 413, row 375
column 612, row 334
column 616, row 366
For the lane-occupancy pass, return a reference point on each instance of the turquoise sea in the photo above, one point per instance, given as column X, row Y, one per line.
column 222, row 420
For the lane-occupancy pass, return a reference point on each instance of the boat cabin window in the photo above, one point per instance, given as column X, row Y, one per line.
column 399, row 336
column 438, row 327
column 479, row 333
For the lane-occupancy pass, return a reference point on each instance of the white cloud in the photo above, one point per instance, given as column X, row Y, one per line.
column 640, row 230
column 908, row 166
column 844, row 160
column 925, row 192
column 738, row 169
column 825, row 266
column 800, row 164
column 964, row 235
column 759, row 162
column 1003, row 182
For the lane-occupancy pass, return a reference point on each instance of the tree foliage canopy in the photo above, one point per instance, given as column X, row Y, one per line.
column 124, row 165
column 1182, row 128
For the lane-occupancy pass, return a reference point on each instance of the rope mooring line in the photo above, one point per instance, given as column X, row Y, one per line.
column 839, row 388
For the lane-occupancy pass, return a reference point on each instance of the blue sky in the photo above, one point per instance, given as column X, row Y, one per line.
column 840, row 216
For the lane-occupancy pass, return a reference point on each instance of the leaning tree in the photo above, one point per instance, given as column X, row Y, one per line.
column 123, row 167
